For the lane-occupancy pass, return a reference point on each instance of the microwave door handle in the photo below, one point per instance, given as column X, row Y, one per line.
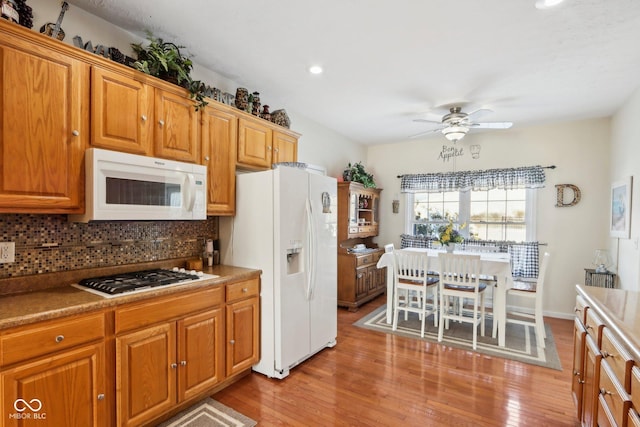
column 190, row 193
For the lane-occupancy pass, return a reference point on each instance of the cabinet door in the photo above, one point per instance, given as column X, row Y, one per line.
column 579, row 334
column 121, row 112
column 43, row 129
column 219, row 133
column 145, row 374
column 176, row 130
column 362, row 283
column 285, row 148
column 243, row 328
column 66, row 389
column 254, row 144
column 200, row 353
column 590, row 390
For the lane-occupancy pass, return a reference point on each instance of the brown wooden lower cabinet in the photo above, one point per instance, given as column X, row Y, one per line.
column 359, row 279
column 53, row 373
column 131, row 364
column 64, row 389
column 606, row 384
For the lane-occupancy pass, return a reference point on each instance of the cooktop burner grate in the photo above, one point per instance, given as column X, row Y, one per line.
column 127, row 282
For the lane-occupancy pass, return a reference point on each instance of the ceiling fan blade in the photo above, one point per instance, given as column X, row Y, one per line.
column 491, row 125
column 426, row 132
column 427, row 121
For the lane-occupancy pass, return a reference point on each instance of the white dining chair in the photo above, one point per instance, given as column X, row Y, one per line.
column 460, row 280
column 413, row 287
column 533, row 292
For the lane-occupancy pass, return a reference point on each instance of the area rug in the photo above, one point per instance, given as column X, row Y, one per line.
column 520, row 341
column 208, row 413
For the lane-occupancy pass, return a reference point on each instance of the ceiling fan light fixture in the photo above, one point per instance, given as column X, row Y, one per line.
column 455, row 133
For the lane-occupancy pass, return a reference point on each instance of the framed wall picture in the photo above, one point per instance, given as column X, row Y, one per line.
column 621, row 208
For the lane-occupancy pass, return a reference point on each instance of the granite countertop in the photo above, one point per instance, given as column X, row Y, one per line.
column 619, row 310
column 59, row 301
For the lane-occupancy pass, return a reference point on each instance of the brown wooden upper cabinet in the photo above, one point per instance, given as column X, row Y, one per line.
column 219, row 134
column 133, row 116
column 121, row 111
column 260, row 144
column 285, row 147
column 44, row 126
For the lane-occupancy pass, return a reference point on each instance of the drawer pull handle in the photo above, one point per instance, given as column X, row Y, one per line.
column 232, row 342
column 577, row 310
column 183, row 363
column 606, row 354
column 161, row 122
column 174, row 365
column 75, row 133
column 101, row 396
column 207, row 158
column 603, row 391
column 245, row 290
column 144, row 118
column 59, row 338
column 589, row 327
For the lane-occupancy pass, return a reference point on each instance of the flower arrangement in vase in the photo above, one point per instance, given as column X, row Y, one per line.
column 448, row 234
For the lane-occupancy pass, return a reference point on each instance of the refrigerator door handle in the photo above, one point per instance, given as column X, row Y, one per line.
column 311, row 252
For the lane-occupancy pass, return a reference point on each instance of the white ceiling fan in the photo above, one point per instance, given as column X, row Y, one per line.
column 455, row 124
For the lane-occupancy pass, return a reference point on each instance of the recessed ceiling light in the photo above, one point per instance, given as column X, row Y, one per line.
column 315, row 69
column 546, row 4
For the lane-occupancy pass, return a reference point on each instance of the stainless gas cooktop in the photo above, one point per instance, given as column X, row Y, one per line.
column 139, row 281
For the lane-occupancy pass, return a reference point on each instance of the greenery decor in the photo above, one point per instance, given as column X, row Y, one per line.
column 164, row 60
column 448, row 234
column 357, row 173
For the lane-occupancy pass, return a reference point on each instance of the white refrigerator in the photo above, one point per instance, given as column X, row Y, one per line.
column 286, row 225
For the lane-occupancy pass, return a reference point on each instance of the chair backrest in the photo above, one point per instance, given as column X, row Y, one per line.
column 481, row 248
column 544, row 265
column 459, row 270
column 411, row 266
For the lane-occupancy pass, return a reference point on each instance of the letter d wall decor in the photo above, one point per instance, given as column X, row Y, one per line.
column 560, row 201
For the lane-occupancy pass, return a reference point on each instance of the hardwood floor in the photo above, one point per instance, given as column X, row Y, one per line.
column 375, row 379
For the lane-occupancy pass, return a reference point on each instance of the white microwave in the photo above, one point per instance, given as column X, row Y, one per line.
column 122, row 186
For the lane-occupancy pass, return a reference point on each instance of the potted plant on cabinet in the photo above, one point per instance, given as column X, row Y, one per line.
column 164, row 60
column 357, row 173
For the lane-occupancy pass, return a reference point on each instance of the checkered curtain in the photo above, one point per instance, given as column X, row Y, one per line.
column 510, row 178
column 524, row 255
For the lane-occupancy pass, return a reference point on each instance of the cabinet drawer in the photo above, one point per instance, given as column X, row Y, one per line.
column 634, row 419
column 160, row 309
column 619, row 360
column 615, row 398
column 581, row 309
column 594, row 326
column 49, row 337
column 635, row 387
column 353, row 230
column 364, row 260
column 241, row 290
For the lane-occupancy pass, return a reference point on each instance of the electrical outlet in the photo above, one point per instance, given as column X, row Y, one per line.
column 7, row 252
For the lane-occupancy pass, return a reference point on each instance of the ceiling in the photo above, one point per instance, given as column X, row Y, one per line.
column 387, row 62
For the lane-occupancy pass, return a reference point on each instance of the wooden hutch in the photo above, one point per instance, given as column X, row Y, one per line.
column 359, row 280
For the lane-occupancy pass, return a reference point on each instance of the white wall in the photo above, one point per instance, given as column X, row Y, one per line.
column 625, row 152
column 580, row 150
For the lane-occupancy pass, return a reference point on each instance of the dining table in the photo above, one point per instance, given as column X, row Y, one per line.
column 496, row 264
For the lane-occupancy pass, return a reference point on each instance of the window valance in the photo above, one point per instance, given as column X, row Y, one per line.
column 510, row 178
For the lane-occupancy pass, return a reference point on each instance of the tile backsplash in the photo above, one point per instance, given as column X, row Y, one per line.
column 49, row 243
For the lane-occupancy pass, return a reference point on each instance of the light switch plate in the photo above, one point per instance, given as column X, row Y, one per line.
column 7, row 252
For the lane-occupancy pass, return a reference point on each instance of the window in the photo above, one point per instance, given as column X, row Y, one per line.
column 497, row 214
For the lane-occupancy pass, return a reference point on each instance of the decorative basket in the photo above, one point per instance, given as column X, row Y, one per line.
column 281, row 118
